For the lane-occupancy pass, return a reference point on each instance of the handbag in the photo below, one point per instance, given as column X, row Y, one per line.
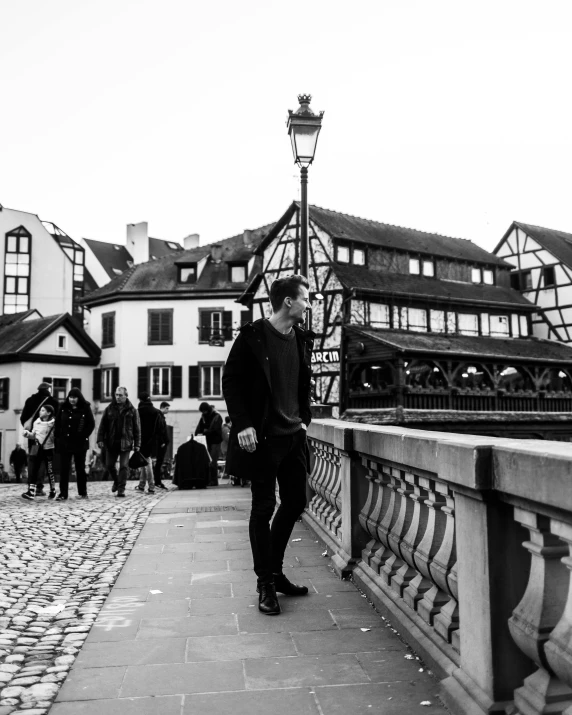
column 35, row 448
column 29, row 423
column 137, row 460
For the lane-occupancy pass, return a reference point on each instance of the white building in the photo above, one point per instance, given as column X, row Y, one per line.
column 165, row 326
column 35, row 349
column 43, row 268
column 542, row 258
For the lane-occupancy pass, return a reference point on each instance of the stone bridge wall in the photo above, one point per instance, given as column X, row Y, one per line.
column 464, row 543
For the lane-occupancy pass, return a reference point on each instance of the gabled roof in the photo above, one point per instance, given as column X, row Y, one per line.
column 526, row 349
column 161, row 276
column 353, row 228
column 559, row 243
column 18, row 338
column 116, row 259
column 13, row 318
column 61, row 237
column 361, row 279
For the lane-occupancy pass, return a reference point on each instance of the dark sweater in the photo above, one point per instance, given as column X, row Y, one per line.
column 284, row 417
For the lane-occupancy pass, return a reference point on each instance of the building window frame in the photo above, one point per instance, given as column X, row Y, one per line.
column 4, row 393
column 17, row 270
column 107, row 384
column 210, row 377
column 62, row 342
column 160, row 376
column 548, row 276
column 160, row 326
column 185, row 271
column 232, row 266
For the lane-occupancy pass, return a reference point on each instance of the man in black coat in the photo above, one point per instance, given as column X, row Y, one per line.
column 151, row 423
column 162, row 444
column 266, row 385
column 18, row 461
column 210, row 425
column 31, row 410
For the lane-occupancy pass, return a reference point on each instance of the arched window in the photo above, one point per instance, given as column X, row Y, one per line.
column 472, row 376
column 514, row 379
column 17, row 270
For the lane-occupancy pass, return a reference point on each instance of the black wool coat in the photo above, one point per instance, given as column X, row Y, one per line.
column 247, row 390
column 151, row 424
column 73, row 428
column 32, row 404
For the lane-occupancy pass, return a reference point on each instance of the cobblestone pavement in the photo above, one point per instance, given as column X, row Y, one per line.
column 58, row 561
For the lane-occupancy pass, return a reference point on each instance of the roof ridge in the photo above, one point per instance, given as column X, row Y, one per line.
column 392, row 225
column 542, row 228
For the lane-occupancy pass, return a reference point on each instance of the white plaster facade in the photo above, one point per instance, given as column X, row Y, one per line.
column 51, row 270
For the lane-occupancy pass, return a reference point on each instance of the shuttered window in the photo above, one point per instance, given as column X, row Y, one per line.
column 160, row 330
column 4, row 393
column 108, row 330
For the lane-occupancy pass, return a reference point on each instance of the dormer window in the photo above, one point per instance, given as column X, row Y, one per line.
column 359, row 257
column 238, row 273
column 350, row 253
column 418, row 266
column 188, row 273
column 428, row 268
column 414, row 266
column 343, row 254
column 482, row 275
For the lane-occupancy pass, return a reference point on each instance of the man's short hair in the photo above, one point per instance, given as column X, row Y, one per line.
column 164, row 404
column 286, row 288
column 120, row 387
column 204, row 407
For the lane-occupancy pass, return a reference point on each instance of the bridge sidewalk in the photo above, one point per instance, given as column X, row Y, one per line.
column 180, row 632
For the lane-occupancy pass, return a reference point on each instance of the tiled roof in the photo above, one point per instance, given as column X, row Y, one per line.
column 558, row 243
column 21, row 336
column 361, row 278
column 115, row 257
column 158, row 247
column 527, row 349
column 352, row 228
column 161, row 276
column 12, row 318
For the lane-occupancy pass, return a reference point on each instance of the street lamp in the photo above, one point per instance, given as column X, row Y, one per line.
column 303, row 129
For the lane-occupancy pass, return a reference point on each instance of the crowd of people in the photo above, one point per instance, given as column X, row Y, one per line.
column 51, row 429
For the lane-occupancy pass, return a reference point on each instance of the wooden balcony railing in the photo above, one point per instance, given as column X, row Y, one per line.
column 464, row 543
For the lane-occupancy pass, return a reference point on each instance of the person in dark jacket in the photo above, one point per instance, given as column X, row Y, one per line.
column 191, row 465
column 30, row 413
column 266, row 385
column 74, row 424
column 18, row 461
column 150, row 418
column 210, row 425
column 163, row 443
column 119, row 432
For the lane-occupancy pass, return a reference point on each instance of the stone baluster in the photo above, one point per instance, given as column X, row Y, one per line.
column 398, row 529
column 374, row 507
column 536, row 616
column 392, row 499
column 411, row 539
column 558, row 649
column 429, row 545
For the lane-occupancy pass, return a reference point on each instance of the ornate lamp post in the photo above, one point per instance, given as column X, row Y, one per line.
column 303, row 128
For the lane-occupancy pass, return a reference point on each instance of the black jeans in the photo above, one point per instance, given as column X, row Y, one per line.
column 111, row 455
column 65, row 466
column 285, row 462
column 161, row 452
column 46, row 457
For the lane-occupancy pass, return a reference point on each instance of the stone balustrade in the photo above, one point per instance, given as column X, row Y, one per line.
column 464, row 543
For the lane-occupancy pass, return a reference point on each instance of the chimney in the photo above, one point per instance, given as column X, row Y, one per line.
column 138, row 241
column 216, row 254
column 247, row 238
column 193, row 240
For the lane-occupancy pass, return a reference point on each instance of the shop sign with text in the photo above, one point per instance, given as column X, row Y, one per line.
column 321, row 357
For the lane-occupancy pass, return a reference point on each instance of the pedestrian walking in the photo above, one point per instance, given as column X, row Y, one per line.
column 18, row 461
column 119, row 432
column 163, row 443
column 74, row 424
column 210, row 425
column 266, row 385
column 151, row 425
column 41, row 452
column 30, row 413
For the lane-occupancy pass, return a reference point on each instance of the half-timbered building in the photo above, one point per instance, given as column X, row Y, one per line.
column 542, row 258
column 417, row 328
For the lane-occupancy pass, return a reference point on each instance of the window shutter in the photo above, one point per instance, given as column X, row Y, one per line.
column 76, row 382
column 5, row 402
column 194, row 381
column 205, row 333
column 227, row 324
column 177, row 381
column 142, row 380
column 154, row 327
column 246, row 317
column 115, row 379
column 97, row 384
column 167, row 328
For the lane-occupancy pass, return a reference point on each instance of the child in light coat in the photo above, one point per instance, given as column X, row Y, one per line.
column 43, row 433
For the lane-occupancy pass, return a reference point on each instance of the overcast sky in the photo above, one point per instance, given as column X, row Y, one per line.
column 452, row 117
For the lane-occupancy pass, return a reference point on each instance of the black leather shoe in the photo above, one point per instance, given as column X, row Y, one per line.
column 288, row 588
column 267, row 599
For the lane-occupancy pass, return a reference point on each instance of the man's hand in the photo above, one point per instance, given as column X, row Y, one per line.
column 247, row 439
column 100, row 445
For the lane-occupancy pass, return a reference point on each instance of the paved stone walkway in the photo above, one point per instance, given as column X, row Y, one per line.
column 57, row 563
column 180, row 633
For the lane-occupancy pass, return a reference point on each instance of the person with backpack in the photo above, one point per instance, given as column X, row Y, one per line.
column 74, row 424
column 42, row 451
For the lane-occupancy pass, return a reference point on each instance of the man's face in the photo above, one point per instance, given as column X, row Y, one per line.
column 120, row 396
column 298, row 306
column 165, row 410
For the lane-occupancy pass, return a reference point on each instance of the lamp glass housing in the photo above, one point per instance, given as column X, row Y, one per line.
column 304, row 138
